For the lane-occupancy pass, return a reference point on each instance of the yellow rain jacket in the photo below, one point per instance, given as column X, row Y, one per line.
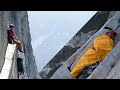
column 103, row 45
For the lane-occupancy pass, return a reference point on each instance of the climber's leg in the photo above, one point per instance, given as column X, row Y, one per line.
column 18, row 43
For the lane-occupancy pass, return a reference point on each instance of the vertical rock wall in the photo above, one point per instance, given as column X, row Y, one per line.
column 22, row 31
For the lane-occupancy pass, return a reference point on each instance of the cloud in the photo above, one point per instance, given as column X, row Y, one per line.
column 62, row 33
column 67, row 33
column 41, row 39
column 58, row 33
column 41, row 26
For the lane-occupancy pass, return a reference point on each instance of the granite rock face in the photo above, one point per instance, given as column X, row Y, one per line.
column 22, row 31
column 4, row 21
column 82, row 36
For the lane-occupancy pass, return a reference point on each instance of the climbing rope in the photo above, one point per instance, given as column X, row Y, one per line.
column 100, row 67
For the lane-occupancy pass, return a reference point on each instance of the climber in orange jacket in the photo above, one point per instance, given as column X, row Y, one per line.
column 101, row 46
column 12, row 37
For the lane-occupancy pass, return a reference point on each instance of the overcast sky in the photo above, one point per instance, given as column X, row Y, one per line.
column 51, row 30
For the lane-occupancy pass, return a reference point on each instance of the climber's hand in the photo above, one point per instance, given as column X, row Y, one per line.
column 15, row 38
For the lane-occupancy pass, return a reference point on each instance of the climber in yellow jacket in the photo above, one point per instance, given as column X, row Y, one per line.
column 102, row 45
